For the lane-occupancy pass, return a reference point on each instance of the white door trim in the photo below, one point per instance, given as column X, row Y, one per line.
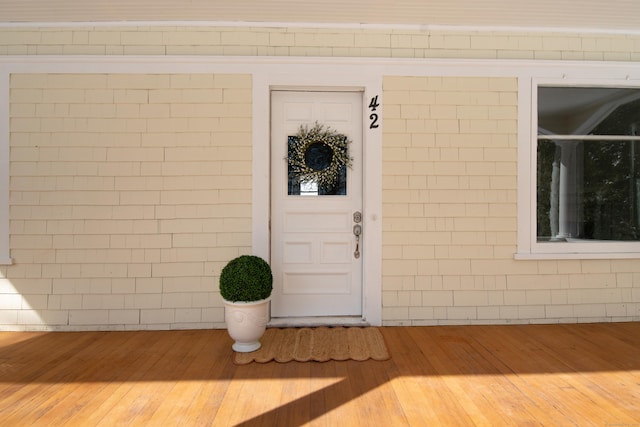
column 324, row 77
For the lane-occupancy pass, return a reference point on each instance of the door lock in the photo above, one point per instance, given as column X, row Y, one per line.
column 357, row 217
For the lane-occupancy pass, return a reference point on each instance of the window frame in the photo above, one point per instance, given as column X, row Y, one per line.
column 528, row 244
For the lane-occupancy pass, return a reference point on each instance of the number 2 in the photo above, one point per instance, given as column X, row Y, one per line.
column 374, row 121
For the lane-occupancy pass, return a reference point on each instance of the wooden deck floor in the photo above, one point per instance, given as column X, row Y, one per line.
column 552, row 375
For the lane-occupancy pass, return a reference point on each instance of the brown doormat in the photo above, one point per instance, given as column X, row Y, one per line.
column 317, row 344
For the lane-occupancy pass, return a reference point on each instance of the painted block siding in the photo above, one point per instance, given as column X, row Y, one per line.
column 450, row 219
column 127, row 194
column 234, row 40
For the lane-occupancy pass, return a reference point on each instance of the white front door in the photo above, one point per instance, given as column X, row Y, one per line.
column 316, row 270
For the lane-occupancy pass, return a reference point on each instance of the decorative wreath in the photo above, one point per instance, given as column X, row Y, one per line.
column 318, row 154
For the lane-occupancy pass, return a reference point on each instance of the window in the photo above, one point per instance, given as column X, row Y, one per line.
column 587, row 169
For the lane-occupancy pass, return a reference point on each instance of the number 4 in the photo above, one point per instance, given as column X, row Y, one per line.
column 374, row 103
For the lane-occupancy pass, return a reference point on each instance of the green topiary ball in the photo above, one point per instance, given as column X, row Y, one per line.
column 246, row 278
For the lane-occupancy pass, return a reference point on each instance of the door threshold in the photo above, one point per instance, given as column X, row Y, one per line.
column 284, row 322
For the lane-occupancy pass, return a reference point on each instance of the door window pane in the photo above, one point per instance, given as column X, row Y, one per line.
column 317, row 157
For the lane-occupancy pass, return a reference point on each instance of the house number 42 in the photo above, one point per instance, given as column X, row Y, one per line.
column 373, row 117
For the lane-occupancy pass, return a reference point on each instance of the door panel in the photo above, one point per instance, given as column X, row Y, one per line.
column 312, row 241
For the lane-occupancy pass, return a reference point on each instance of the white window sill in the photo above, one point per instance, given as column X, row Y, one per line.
column 566, row 255
column 6, row 261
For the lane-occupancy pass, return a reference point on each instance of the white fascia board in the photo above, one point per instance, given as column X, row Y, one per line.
column 441, row 28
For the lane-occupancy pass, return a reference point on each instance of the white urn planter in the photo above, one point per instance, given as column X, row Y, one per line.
column 245, row 286
column 246, row 323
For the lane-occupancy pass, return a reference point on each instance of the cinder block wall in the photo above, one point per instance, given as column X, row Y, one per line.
column 128, row 193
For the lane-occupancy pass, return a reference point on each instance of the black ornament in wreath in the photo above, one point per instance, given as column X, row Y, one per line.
column 318, row 155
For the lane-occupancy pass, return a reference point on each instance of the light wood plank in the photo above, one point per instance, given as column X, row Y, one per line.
column 456, row 375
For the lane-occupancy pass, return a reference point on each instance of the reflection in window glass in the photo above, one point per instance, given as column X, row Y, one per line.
column 588, row 164
column 308, row 188
column 318, row 157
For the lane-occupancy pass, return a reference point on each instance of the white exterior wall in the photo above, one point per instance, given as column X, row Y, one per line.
column 129, row 192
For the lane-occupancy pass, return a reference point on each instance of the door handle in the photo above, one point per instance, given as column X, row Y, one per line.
column 357, row 231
